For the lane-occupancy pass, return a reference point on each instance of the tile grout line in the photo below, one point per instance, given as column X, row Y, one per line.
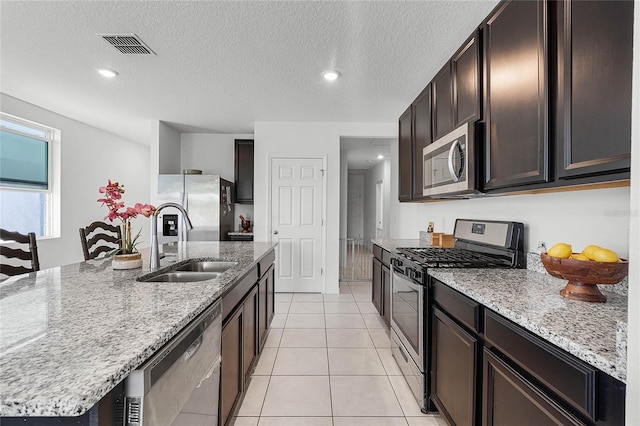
column 326, row 343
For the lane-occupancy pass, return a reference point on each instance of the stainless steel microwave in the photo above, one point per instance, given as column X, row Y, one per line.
column 449, row 168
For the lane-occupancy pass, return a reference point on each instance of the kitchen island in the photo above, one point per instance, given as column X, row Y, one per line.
column 70, row 334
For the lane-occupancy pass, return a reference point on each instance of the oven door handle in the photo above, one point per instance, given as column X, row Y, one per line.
column 411, row 273
column 452, row 170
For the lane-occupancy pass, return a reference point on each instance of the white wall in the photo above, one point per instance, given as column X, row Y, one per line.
column 89, row 157
column 164, row 154
column 211, row 153
column 375, row 174
column 169, row 158
column 214, row 154
column 355, row 226
column 344, row 180
column 310, row 140
column 633, row 348
column 578, row 218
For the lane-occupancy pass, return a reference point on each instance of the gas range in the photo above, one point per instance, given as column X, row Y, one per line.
column 478, row 244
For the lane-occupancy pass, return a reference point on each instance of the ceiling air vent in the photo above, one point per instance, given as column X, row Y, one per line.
column 129, row 44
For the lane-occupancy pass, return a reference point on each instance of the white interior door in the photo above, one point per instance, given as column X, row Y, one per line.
column 296, row 223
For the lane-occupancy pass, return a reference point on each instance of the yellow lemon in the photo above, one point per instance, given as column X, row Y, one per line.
column 561, row 250
column 579, row 257
column 604, row 255
column 588, row 250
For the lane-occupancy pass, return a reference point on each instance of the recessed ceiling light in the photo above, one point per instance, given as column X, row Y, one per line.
column 330, row 75
column 369, row 161
column 106, row 72
column 380, row 156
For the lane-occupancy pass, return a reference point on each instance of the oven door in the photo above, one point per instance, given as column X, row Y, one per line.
column 407, row 315
column 447, row 163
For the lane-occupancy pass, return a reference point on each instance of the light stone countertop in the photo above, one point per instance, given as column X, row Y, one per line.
column 392, row 244
column 70, row 334
column 593, row 332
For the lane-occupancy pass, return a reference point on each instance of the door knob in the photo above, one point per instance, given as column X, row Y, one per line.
column 275, row 232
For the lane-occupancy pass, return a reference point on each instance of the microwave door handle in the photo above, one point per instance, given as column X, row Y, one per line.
column 452, row 170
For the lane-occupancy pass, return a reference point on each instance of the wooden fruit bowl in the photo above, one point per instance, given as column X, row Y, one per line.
column 583, row 275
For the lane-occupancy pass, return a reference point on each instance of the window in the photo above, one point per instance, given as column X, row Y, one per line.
column 26, row 189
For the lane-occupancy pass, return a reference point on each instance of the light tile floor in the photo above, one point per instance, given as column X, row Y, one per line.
column 327, row 362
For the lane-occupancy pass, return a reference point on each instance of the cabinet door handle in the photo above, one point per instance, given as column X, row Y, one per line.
column 275, row 232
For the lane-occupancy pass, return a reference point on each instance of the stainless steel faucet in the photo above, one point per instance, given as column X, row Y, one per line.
column 155, row 251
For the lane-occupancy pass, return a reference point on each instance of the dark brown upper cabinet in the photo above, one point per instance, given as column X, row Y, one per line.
column 244, row 170
column 421, row 137
column 515, row 79
column 593, row 99
column 405, row 158
column 465, row 69
column 442, row 112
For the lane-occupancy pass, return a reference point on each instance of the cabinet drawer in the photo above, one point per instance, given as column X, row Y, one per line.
column 265, row 263
column 459, row 306
column 509, row 398
column 235, row 295
column 377, row 252
column 386, row 258
column 568, row 377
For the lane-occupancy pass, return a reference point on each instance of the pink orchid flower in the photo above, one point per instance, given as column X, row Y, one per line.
column 145, row 209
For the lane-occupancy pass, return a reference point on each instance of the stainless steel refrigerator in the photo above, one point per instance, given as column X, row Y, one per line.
column 208, row 202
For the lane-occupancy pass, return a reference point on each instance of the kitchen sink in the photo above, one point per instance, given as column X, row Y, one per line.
column 197, row 270
column 182, row 277
column 206, row 266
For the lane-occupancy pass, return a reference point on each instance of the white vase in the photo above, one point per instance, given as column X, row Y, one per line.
column 127, row 261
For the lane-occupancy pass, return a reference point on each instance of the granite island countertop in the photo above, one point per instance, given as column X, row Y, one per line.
column 593, row 332
column 70, row 334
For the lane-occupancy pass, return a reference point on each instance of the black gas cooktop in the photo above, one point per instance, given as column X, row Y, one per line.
column 478, row 244
column 433, row 257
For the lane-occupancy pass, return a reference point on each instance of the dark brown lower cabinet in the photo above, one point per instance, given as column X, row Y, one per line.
column 386, row 294
column 239, row 352
column 248, row 309
column 266, row 296
column 511, row 399
column 381, row 283
column 250, row 332
column 454, row 372
column 376, row 286
column 231, row 370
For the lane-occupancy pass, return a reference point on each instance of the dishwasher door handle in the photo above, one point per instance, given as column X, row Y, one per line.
column 191, row 350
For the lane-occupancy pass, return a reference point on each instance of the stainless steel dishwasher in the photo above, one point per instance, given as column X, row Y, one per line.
column 179, row 384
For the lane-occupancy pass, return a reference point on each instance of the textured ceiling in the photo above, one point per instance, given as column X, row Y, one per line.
column 221, row 66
